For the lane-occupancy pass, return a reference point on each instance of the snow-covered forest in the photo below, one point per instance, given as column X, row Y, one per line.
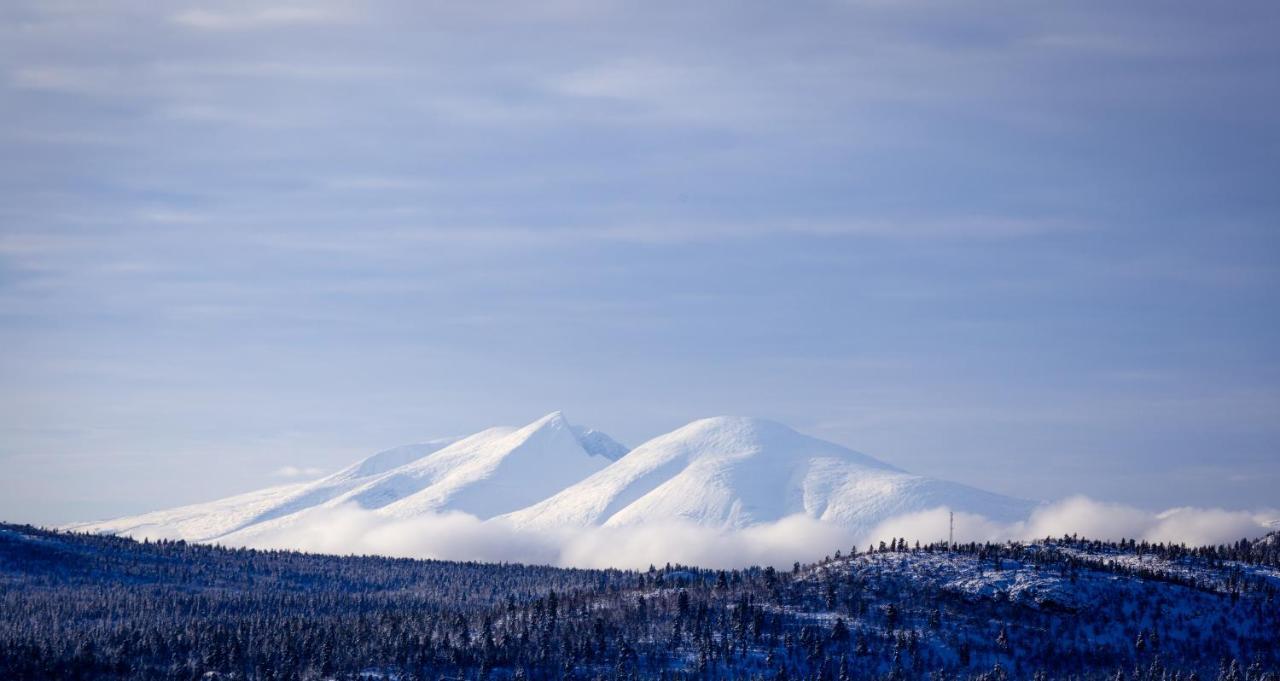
column 77, row 606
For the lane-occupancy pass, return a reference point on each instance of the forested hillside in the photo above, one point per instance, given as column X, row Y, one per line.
column 92, row 607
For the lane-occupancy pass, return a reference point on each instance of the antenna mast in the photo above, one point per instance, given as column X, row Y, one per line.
column 951, row 529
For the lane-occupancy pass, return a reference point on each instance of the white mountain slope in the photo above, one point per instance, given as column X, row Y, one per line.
column 489, row 473
column 734, row 472
column 201, row 522
column 197, row 522
column 492, row 472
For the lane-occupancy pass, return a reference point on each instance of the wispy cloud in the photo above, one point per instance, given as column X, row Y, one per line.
column 258, row 17
column 989, row 227
column 298, row 472
column 83, row 80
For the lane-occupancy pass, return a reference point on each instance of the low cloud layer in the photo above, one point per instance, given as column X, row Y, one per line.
column 458, row 536
column 1089, row 518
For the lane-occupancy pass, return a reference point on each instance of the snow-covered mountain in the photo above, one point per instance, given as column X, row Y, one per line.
column 722, row 472
column 200, row 522
column 492, row 472
column 734, row 472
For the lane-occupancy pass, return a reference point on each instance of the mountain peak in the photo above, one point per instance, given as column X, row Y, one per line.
column 593, row 442
column 553, row 420
column 741, row 470
column 739, row 424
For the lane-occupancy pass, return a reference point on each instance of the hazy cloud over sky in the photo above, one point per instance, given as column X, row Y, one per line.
column 1027, row 247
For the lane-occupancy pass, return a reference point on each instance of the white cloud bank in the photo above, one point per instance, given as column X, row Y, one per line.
column 1089, row 518
column 458, row 536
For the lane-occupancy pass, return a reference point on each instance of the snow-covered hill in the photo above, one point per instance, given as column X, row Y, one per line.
column 200, row 522
column 495, row 471
column 735, row 471
column 90, row 607
column 725, row 472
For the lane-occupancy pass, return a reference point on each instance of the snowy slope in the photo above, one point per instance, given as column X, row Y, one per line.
column 734, row 472
column 196, row 522
column 201, row 522
column 491, row 472
column 520, row 469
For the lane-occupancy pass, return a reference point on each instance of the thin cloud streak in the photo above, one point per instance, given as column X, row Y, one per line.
column 259, row 17
column 301, row 472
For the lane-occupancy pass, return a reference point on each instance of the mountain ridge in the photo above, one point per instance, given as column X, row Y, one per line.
column 733, row 471
column 725, row 471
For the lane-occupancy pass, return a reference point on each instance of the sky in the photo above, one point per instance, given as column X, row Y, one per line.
column 1033, row 247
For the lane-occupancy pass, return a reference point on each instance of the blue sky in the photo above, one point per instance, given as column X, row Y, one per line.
column 1028, row 246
